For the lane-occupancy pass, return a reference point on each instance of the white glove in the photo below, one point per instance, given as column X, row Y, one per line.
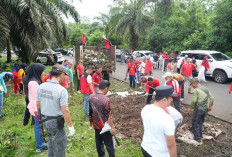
column 71, row 131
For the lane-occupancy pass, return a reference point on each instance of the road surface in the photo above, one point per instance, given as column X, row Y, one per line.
column 223, row 101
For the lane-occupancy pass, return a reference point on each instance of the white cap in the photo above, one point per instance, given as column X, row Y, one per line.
column 167, row 74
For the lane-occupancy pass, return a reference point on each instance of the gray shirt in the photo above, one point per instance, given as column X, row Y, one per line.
column 52, row 96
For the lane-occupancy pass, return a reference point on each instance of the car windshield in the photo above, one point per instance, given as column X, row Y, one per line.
column 220, row 56
column 148, row 54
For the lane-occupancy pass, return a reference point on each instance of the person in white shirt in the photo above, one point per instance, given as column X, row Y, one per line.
column 142, row 66
column 159, row 133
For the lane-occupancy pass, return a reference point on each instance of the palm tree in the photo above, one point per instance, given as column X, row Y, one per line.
column 31, row 24
column 129, row 20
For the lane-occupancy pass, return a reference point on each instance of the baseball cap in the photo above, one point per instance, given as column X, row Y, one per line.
column 167, row 74
column 163, row 91
column 195, row 79
column 59, row 68
column 69, row 63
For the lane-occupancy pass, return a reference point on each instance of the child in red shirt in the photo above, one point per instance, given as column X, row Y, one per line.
column 97, row 77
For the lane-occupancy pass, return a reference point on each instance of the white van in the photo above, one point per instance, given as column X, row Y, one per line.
column 220, row 64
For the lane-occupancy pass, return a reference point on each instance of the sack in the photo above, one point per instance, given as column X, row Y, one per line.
column 201, row 74
column 60, row 122
column 1, row 88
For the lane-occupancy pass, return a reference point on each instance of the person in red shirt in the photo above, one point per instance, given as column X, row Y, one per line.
column 138, row 64
column 171, row 66
column 97, row 77
column 187, row 70
column 205, row 63
column 132, row 73
column 166, row 59
column 80, row 71
column 148, row 67
column 83, row 41
column 152, row 83
column 170, row 81
column 107, row 45
column 128, row 62
column 143, row 81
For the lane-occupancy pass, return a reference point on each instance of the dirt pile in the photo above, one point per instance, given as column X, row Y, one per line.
column 127, row 118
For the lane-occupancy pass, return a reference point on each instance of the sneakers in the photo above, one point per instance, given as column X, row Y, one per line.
column 79, row 91
column 44, row 149
column 2, row 118
column 181, row 99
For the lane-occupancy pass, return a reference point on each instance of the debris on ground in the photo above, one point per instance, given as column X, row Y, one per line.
column 125, row 94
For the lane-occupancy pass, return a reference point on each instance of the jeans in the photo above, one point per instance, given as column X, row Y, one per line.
column 38, row 135
column 78, row 84
column 57, row 139
column 138, row 75
column 176, row 102
column 104, row 139
column 197, row 123
column 1, row 103
column 132, row 80
column 86, row 104
column 149, row 97
column 122, row 60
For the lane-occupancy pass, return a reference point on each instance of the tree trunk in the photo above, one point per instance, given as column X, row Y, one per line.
column 134, row 39
column 8, row 51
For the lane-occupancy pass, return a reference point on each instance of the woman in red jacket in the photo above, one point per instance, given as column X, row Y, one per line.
column 205, row 63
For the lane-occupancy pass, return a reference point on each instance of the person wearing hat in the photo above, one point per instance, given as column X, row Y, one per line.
column 83, row 41
column 175, row 88
column 70, row 77
column 87, row 87
column 200, row 105
column 148, row 67
column 53, row 111
column 107, row 45
column 152, row 83
column 159, row 127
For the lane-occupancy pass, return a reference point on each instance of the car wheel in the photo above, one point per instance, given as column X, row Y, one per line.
column 220, row 76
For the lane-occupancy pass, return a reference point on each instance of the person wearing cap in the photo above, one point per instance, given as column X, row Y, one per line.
column 187, row 70
column 80, row 71
column 97, row 78
column 159, row 127
column 132, row 73
column 200, row 105
column 83, row 41
column 87, row 87
column 107, row 45
column 152, row 83
column 148, row 67
column 52, row 107
column 70, row 77
column 175, row 88
column 171, row 66
column 100, row 117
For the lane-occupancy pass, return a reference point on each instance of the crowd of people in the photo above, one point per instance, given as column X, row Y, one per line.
column 46, row 98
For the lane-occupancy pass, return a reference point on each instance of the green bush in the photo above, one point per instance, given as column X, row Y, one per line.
column 229, row 54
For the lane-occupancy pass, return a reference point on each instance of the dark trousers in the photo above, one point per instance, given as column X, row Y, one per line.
column 176, row 102
column 149, row 97
column 79, row 84
column 182, row 88
column 26, row 114
column 132, row 80
column 194, row 73
column 197, row 123
column 165, row 66
column 21, row 88
column 107, row 139
column 145, row 153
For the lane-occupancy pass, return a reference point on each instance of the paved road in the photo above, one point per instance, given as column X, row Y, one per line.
column 223, row 101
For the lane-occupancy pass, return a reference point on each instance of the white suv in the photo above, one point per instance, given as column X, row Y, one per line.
column 220, row 64
column 143, row 53
column 42, row 56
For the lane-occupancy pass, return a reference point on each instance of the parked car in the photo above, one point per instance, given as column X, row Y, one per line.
column 70, row 52
column 119, row 53
column 5, row 51
column 144, row 53
column 56, row 57
column 220, row 64
column 63, row 51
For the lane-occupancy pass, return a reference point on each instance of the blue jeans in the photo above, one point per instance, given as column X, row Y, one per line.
column 122, row 60
column 1, row 103
column 138, row 75
column 38, row 135
column 197, row 123
column 132, row 80
column 86, row 104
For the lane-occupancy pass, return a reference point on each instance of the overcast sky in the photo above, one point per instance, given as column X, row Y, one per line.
column 91, row 8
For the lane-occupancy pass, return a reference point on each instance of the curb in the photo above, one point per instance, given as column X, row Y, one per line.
column 184, row 104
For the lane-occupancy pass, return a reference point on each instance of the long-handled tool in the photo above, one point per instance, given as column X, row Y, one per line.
column 116, row 140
